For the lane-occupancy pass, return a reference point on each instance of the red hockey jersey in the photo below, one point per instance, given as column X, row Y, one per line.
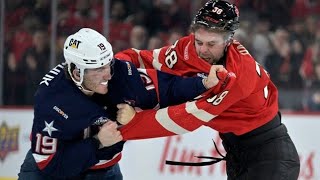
column 251, row 102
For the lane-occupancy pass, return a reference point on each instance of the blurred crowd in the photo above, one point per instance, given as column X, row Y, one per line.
column 282, row 35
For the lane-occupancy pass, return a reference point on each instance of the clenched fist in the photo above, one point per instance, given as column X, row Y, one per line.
column 213, row 78
column 125, row 113
column 109, row 134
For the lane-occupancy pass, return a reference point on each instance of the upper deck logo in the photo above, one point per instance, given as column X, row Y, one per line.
column 8, row 140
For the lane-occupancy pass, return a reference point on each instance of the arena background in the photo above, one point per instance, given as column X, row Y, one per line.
column 283, row 36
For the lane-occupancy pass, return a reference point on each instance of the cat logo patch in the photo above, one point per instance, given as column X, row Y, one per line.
column 74, row 43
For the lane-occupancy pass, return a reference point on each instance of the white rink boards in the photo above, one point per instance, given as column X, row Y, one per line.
column 144, row 159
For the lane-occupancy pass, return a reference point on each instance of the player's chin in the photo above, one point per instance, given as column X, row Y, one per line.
column 207, row 59
column 102, row 89
column 211, row 60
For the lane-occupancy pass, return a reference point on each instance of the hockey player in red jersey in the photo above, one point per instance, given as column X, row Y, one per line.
column 246, row 114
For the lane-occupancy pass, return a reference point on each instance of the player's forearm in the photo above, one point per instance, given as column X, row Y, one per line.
column 180, row 90
column 144, row 126
column 160, row 123
column 173, row 120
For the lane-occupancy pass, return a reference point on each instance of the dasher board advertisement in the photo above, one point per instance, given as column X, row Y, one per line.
column 144, row 159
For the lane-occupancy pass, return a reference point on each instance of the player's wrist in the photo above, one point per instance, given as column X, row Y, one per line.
column 204, row 80
column 207, row 84
column 97, row 141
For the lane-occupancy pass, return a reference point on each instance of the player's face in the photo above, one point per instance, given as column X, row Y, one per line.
column 97, row 79
column 210, row 46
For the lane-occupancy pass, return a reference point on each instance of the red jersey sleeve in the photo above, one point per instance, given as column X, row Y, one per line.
column 179, row 58
column 134, row 56
column 183, row 118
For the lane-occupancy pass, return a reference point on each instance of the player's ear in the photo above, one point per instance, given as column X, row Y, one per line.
column 76, row 74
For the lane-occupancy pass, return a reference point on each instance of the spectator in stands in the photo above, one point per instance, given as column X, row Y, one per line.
column 167, row 14
column 278, row 61
column 298, row 32
column 311, row 24
column 311, row 57
column 304, row 8
column 83, row 14
column 280, row 16
column 310, row 72
column 22, row 38
column 174, row 35
column 296, row 56
column 242, row 35
column 42, row 9
column 298, row 43
column 261, row 44
column 61, row 37
column 138, row 37
column 12, row 81
column 313, row 101
column 17, row 45
column 119, row 30
column 63, row 15
column 35, row 63
column 155, row 42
